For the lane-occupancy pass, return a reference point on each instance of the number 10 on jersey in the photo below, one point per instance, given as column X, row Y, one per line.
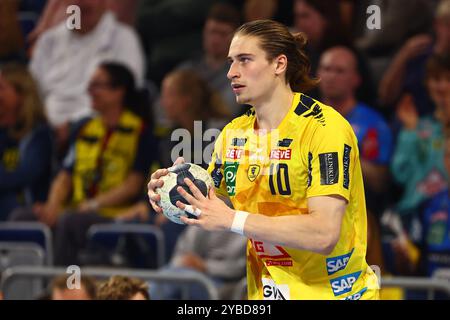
column 279, row 179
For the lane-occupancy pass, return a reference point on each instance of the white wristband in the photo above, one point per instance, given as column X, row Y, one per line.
column 239, row 222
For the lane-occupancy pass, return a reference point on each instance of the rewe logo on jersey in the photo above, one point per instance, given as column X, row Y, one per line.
column 344, row 284
column 335, row 264
column 272, row 291
column 234, row 153
column 280, row 154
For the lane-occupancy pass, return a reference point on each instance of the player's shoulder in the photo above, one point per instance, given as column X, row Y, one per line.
column 242, row 122
column 319, row 115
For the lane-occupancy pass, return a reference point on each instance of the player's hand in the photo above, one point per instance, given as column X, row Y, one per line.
column 156, row 182
column 212, row 213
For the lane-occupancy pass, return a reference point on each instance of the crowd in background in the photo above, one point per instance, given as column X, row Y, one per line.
column 86, row 114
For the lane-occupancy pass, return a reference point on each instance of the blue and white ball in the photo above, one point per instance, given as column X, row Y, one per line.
column 169, row 194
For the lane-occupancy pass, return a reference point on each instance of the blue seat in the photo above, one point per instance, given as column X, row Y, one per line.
column 142, row 244
column 34, row 232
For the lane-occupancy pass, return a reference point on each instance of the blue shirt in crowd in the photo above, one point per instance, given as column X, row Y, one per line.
column 25, row 169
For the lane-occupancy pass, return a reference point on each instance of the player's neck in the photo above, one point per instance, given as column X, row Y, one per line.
column 274, row 109
column 343, row 106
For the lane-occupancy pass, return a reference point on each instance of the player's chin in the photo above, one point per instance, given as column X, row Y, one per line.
column 242, row 99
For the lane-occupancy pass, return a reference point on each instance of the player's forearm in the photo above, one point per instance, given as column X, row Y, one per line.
column 302, row 231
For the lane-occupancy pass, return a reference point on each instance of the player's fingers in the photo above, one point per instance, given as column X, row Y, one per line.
column 155, row 207
column 152, row 185
column 188, row 208
column 212, row 193
column 152, row 195
column 188, row 197
column 190, row 222
column 179, row 160
column 193, row 210
column 195, row 191
column 158, row 174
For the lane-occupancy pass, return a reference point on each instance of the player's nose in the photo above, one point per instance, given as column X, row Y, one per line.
column 233, row 71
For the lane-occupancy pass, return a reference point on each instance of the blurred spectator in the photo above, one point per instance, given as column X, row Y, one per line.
column 400, row 19
column 417, row 164
column 322, row 23
column 212, row 66
column 170, row 31
column 219, row 255
column 340, row 77
column 25, row 141
column 279, row 10
column 105, row 168
column 55, row 12
column 123, row 288
column 11, row 38
column 186, row 98
column 320, row 20
column 407, row 70
column 59, row 289
column 435, row 244
column 64, row 60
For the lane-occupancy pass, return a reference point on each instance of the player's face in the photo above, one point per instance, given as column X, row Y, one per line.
column 338, row 77
column 9, row 103
column 252, row 76
column 216, row 38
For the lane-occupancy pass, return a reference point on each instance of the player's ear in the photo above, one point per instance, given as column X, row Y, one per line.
column 280, row 64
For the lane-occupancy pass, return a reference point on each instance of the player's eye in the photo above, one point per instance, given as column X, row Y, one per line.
column 244, row 59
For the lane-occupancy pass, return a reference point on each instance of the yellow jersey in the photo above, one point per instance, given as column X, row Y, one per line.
column 313, row 152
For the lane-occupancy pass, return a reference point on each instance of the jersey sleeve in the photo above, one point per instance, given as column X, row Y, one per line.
column 216, row 166
column 332, row 155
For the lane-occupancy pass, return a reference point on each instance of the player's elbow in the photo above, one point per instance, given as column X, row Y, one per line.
column 327, row 244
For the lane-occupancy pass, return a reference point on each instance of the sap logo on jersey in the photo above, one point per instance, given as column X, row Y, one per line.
column 344, row 284
column 272, row 291
column 356, row 296
column 338, row 263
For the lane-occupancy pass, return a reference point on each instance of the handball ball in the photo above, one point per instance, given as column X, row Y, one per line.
column 169, row 194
